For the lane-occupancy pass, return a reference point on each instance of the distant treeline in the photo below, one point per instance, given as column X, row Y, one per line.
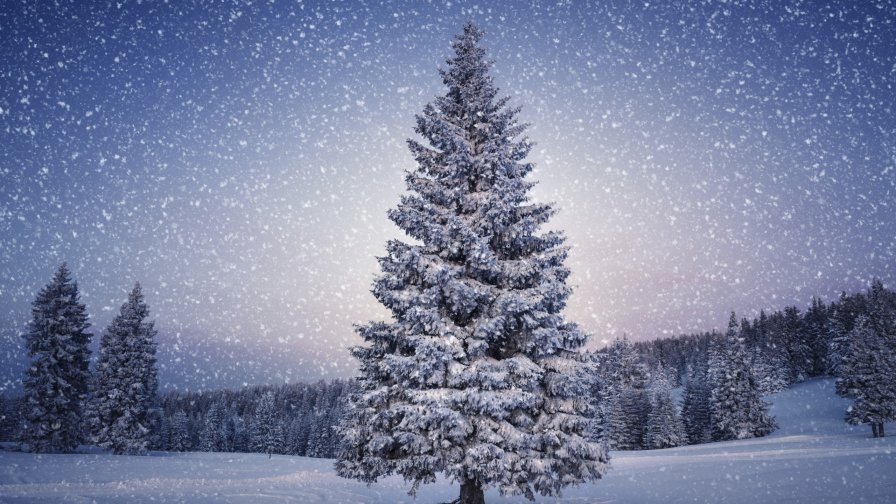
column 784, row 346
column 852, row 339
column 300, row 421
column 632, row 386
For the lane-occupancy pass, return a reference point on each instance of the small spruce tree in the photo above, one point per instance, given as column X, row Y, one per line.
column 214, row 433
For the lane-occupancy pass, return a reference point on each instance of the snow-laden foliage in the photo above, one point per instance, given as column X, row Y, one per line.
column 736, row 409
column 664, row 426
column 214, row 431
column 838, row 341
column 817, row 333
column 179, row 432
column 769, row 360
column 56, row 380
column 123, row 410
column 868, row 371
column 626, row 406
column 695, row 412
column 478, row 376
column 267, row 431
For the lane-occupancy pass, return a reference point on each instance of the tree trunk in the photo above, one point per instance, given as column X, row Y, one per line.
column 880, row 429
column 874, row 429
column 471, row 493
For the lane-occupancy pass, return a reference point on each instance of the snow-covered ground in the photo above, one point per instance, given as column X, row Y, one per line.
column 813, row 458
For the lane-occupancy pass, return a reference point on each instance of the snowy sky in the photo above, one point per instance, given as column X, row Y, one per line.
column 238, row 159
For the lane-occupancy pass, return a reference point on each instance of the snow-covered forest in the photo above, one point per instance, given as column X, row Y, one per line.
column 813, row 457
column 630, row 385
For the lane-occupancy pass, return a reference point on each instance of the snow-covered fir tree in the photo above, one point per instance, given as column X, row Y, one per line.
column 715, row 358
column 736, row 409
column 598, row 395
column 869, row 367
column 615, row 422
column 161, row 436
column 213, row 437
column 180, row 432
column 838, row 341
column 793, row 336
column 627, row 402
column 478, row 376
column 867, row 378
column 267, row 434
column 323, row 439
column 634, row 407
column 768, row 358
column 56, row 380
column 122, row 408
column 664, row 428
column 815, row 328
column 299, row 431
column 695, row 411
column 770, row 368
column 240, row 435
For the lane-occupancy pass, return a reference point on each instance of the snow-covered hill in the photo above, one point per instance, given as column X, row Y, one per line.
column 813, row 458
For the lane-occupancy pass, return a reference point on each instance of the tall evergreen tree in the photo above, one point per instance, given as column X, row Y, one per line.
column 736, row 410
column 867, row 378
column 634, row 408
column 300, row 433
column 868, row 369
column 770, row 368
column 240, row 436
column 267, row 436
column 297, row 435
column 214, row 433
column 180, row 432
column 838, row 340
column 664, row 427
column 478, row 376
column 627, row 402
column 816, row 326
column 56, row 381
column 695, row 411
column 793, row 335
column 122, row 410
column 598, row 395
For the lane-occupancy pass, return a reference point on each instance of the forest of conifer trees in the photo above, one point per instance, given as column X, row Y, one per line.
column 851, row 339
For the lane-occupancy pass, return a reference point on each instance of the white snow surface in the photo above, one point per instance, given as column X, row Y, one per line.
column 814, row 458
